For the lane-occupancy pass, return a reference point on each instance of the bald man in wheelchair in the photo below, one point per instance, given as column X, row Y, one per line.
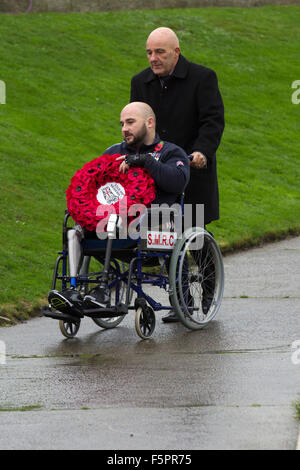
column 167, row 164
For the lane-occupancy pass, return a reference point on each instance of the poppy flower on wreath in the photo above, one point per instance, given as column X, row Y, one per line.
column 99, row 189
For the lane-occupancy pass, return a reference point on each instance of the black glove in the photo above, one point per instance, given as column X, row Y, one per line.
column 137, row 159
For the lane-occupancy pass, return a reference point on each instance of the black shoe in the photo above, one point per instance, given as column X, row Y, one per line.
column 171, row 317
column 206, row 303
column 98, row 297
column 66, row 301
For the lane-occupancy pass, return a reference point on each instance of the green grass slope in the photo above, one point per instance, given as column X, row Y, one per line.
column 67, row 78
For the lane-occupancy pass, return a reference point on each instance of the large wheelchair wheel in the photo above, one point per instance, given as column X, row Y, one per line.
column 196, row 278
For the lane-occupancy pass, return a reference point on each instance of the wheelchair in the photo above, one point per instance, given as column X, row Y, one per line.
column 187, row 264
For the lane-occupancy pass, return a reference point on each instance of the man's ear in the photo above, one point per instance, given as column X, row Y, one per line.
column 177, row 51
column 151, row 122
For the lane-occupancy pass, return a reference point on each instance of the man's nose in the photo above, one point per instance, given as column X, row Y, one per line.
column 152, row 57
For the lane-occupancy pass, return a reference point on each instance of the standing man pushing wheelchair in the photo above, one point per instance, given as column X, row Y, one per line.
column 167, row 164
column 189, row 110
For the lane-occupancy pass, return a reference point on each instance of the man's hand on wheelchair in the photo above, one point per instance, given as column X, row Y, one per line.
column 198, row 160
column 129, row 161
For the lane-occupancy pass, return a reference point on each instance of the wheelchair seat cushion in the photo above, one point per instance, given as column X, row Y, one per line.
column 94, row 244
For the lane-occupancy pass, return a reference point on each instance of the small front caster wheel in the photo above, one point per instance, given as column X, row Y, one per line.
column 144, row 322
column 69, row 329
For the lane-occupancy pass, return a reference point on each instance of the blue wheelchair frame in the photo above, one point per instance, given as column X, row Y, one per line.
column 190, row 285
column 134, row 277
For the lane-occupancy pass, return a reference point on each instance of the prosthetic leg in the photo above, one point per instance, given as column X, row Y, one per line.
column 70, row 300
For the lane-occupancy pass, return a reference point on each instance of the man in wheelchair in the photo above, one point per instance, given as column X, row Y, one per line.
column 169, row 167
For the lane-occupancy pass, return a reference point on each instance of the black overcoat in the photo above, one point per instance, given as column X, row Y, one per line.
column 190, row 113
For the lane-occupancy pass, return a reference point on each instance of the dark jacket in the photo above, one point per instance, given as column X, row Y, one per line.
column 169, row 167
column 189, row 111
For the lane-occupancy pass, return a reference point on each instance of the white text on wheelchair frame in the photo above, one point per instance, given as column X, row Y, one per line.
column 2, row 92
column 168, row 218
column 295, row 358
column 296, row 94
column 2, row 353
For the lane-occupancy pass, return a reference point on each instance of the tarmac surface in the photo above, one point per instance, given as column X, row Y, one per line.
column 231, row 385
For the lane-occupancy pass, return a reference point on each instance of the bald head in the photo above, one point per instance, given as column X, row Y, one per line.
column 143, row 109
column 163, row 51
column 165, row 35
column 138, row 124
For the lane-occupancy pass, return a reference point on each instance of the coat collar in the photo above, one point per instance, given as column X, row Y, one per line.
column 180, row 71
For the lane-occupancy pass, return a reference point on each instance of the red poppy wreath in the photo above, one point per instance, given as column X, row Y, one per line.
column 100, row 183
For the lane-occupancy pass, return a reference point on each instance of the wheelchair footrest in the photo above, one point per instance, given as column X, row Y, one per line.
column 106, row 312
column 47, row 312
